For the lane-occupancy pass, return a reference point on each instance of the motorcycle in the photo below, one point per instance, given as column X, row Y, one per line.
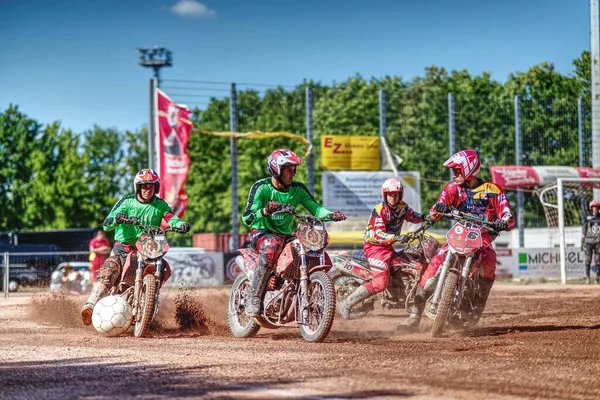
column 351, row 270
column 299, row 290
column 454, row 299
column 142, row 275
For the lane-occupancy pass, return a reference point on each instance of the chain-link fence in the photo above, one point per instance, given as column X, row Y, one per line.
column 423, row 126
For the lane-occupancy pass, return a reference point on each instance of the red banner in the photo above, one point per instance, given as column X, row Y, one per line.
column 513, row 177
column 174, row 128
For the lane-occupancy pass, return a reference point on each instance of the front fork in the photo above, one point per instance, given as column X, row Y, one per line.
column 441, row 277
column 139, row 280
column 303, row 297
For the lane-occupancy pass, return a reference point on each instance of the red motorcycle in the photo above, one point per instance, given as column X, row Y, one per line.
column 352, row 270
column 455, row 297
column 299, row 291
column 143, row 275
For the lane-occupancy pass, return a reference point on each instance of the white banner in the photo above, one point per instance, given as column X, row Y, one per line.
column 526, row 263
column 195, row 267
column 545, row 263
column 355, row 193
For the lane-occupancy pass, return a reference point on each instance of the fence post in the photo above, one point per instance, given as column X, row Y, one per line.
column 233, row 155
column 580, row 130
column 5, row 278
column 451, row 128
column 382, row 125
column 309, row 136
column 519, row 162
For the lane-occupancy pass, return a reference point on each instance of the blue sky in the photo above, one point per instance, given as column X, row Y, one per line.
column 76, row 61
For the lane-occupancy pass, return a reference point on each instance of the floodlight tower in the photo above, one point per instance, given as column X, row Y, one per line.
column 155, row 58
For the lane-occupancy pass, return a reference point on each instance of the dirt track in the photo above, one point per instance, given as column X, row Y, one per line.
column 535, row 342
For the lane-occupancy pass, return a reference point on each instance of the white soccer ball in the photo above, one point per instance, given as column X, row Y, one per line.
column 112, row 316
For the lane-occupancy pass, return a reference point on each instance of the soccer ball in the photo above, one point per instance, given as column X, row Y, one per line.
column 112, row 316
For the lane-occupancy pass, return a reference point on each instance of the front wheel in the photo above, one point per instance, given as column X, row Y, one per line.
column 145, row 306
column 321, row 308
column 240, row 324
column 443, row 308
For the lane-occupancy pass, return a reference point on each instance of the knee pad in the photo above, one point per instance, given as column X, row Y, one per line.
column 109, row 273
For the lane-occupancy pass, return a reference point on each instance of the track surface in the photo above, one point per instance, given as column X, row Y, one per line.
column 534, row 342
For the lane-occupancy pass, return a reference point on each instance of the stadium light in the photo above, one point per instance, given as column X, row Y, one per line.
column 155, row 58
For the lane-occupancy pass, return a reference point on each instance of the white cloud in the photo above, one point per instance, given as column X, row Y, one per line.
column 193, row 9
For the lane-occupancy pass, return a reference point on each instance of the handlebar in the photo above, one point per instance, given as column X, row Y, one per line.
column 409, row 237
column 290, row 209
column 150, row 228
column 468, row 219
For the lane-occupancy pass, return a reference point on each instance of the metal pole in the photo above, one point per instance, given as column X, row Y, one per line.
column 157, row 76
column 152, row 128
column 235, row 229
column 519, row 162
column 580, row 130
column 451, row 127
column 5, row 278
column 561, row 230
column 309, row 136
column 582, row 150
column 382, row 126
column 595, row 61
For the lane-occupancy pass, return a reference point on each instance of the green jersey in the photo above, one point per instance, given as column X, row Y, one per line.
column 150, row 213
column 263, row 191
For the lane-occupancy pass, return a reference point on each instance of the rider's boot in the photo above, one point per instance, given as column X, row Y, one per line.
column 414, row 319
column 257, row 287
column 588, row 280
column 360, row 294
column 99, row 291
column 485, row 286
column 598, row 276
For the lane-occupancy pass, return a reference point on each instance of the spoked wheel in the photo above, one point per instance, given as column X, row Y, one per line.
column 443, row 308
column 240, row 324
column 321, row 307
column 146, row 306
column 344, row 286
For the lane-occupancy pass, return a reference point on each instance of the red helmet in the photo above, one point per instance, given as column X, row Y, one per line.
column 146, row 176
column 594, row 203
column 279, row 159
column 467, row 161
column 392, row 185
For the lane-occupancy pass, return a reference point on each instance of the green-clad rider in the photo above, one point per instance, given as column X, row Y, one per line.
column 269, row 232
column 145, row 207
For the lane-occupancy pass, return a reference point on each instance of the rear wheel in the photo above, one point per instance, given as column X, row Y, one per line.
column 443, row 308
column 146, row 306
column 240, row 324
column 321, row 307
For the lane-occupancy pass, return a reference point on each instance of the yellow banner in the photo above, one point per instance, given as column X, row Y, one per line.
column 350, row 153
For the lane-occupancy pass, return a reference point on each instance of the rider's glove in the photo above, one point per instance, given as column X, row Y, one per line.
column 402, row 238
column 500, row 225
column 121, row 218
column 442, row 208
column 337, row 216
column 271, row 207
column 185, row 227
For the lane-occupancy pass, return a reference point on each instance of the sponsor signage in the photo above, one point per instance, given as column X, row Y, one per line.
column 195, row 267
column 513, row 176
column 355, row 193
column 350, row 153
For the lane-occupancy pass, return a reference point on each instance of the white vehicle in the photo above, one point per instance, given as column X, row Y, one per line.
column 71, row 277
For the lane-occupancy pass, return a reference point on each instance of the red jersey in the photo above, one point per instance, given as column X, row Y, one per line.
column 385, row 223
column 487, row 200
